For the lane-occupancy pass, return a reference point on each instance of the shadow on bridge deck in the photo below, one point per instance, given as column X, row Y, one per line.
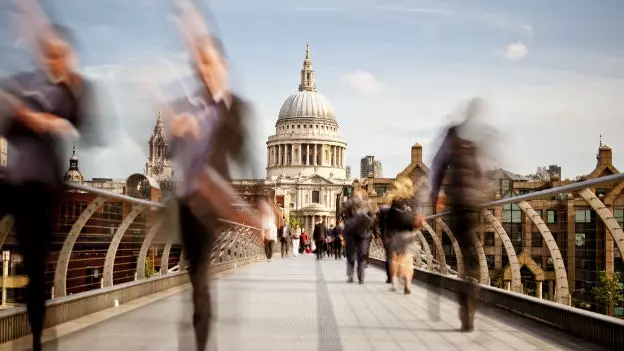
column 301, row 304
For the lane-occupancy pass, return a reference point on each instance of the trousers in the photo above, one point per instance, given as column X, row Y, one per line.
column 32, row 206
column 295, row 243
column 388, row 259
column 198, row 241
column 463, row 227
column 268, row 248
column 357, row 250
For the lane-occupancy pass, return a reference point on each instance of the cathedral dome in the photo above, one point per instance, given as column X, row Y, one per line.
column 306, row 104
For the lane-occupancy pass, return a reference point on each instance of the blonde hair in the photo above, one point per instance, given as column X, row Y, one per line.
column 402, row 188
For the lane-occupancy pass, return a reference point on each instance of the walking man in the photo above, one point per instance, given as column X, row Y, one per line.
column 319, row 235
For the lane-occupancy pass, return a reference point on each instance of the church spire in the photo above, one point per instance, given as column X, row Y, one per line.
column 307, row 74
column 160, row 126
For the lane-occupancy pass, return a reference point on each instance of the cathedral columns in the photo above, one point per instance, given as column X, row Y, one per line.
column 307, row 154
column 314, row 157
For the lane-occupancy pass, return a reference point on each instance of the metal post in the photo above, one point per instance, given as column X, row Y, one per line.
column 6, row 255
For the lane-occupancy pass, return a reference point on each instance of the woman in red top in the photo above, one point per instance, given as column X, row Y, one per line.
column 306, row 242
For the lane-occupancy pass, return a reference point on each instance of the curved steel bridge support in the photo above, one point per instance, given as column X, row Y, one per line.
column 147, row 241
column 561, row 276
column 60, row 274
column 439, row 249
column 516, row 283
column 109, row 261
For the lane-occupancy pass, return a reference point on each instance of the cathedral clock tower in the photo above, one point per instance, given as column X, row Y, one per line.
column 158, row 166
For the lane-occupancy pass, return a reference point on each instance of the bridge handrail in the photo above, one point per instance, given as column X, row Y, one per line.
column 547, row 192
column 126, row 198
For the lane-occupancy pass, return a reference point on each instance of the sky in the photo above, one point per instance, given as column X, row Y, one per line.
column 552, row 72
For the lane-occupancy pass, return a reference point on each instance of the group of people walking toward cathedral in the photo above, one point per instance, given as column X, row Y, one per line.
column 397, row 219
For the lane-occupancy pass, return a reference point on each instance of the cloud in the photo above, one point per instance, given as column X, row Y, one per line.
column 528, row 29
column 363, row 82
column 166, row 69
column 516, row 51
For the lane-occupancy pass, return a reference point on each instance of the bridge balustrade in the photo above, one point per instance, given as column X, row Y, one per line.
column 578, row 229
column 108, row 249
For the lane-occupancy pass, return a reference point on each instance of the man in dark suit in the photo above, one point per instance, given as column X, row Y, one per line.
column 44, row 107
column 319, row 235
column 209, row 133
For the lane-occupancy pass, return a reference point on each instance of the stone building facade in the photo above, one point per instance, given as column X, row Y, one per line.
column 305, row 156
column 585, row 243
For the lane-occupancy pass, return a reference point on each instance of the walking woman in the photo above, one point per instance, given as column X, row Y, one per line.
column 401, row 224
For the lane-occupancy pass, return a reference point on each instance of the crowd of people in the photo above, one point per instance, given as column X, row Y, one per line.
column 42, row 109
column 397, row 218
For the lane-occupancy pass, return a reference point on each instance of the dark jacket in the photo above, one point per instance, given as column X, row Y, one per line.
column 458, row 158
column 320, row 232
column 358, row 218
column 401, row 216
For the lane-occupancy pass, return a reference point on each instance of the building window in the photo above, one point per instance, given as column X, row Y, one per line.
column 316, row 196
column 539, row 212
column 582, row 216
column 537, row 240
column 618, row 213
column 512, row 214
column 538, row 260
column 549, row 264
column 381, row 189
column 601, row 191
column 490, row 261
column 488, row 239
column 552, row 216
column 580, row 239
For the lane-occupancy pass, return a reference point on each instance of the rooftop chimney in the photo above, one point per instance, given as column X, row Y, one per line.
column 416, row 153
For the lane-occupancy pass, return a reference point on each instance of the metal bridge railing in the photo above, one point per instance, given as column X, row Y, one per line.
column 548, row 254
column 109, row 247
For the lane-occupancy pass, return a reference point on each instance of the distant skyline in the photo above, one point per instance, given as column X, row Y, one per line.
column 552, row 72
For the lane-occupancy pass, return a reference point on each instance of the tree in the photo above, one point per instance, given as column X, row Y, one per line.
column 499, row 283
column 610, row 290
column 149, row 267
column 293, row 221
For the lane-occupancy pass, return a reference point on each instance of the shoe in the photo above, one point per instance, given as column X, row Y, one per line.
column 389, row 281
column 360, row 282
column 407, row 290
column 350, row 280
